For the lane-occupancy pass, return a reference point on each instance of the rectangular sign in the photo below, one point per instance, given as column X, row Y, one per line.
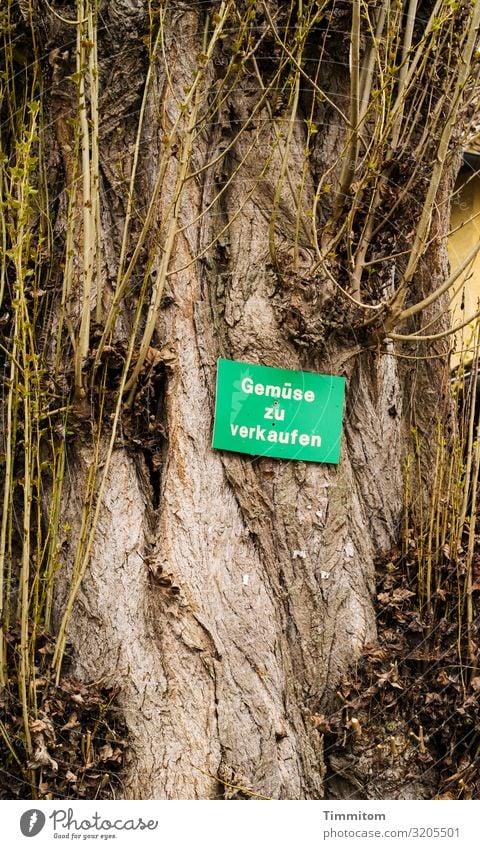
column 275, row 412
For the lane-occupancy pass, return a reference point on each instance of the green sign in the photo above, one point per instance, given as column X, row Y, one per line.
column 275, row 412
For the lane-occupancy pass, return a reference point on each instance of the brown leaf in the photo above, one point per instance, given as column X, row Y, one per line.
column 41, row 757
column 38, row 725
column 105, row 752
column 117, row 756
column 321, row 723
column 72, row 722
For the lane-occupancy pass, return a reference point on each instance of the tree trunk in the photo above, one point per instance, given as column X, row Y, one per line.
column 227, row 595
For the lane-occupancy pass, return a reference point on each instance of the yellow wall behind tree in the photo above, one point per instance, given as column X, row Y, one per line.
column 466, row 204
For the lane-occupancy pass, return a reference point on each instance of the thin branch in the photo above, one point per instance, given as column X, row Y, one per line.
column 421, row 305
column 412, row 337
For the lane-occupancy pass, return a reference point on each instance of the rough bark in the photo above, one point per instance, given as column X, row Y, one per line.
column 220, row 676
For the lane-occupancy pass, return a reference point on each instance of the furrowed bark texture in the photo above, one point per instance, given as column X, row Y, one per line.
column 220, row 676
